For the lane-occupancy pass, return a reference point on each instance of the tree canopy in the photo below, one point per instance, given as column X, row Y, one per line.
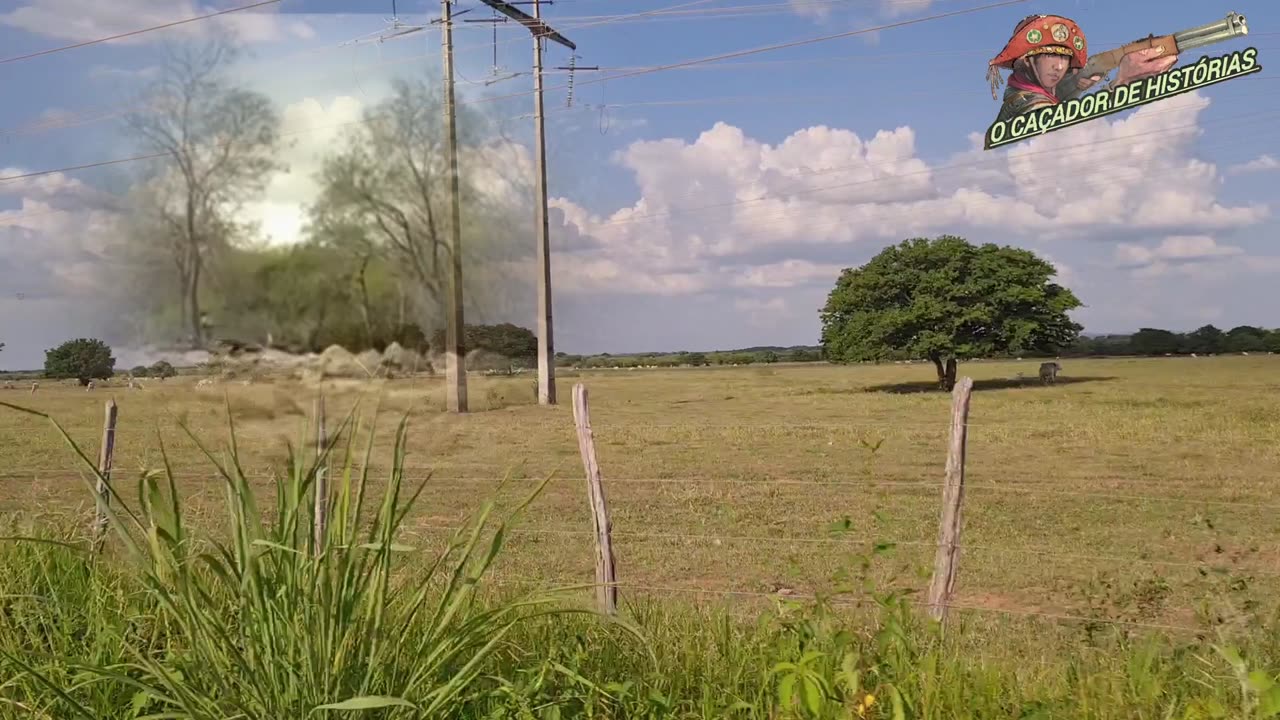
column 946, row 299
column 83, row 358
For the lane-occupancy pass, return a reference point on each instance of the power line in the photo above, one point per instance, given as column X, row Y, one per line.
column 90, row 116
column 660, row 68
column 687, row 63
column 131, row 33
column 325, row 48
column 637, row 72
column 86, row 166
column 766, row 48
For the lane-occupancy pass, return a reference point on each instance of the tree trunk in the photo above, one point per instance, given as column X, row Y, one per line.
column 946, row 373
column 193, row 303
column 366, row 313
column 193, row 264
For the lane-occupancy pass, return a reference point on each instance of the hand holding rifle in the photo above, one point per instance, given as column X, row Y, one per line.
column 1153, row 55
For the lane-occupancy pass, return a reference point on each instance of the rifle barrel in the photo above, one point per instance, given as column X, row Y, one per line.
column 1211, row 28
column 1233, row 26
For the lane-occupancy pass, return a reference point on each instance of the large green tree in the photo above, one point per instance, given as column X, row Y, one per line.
column 83, row 358
column 947, row 300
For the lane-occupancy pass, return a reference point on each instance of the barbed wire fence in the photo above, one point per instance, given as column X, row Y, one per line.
column 601, row 536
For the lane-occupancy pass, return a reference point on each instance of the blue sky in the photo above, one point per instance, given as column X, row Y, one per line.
column 1171, row 226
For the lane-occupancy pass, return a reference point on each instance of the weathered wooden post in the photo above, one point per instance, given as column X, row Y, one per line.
column 944, row 563
column 106, row 455
column 606, row 575
column 322, row 480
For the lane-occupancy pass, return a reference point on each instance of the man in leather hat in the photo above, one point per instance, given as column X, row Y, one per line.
column 1046, row 54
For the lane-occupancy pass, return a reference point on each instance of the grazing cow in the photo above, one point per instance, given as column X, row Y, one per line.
column 1049, row 372
column 89, row 387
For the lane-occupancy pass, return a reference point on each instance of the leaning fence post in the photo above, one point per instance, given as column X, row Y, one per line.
column 944, row 563
column 105, row 456
column 606, row 575
column 322, row 480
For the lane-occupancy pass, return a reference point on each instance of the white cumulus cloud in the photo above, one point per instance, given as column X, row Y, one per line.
column 726, row 200
column 724, row 214
column 1261, row 163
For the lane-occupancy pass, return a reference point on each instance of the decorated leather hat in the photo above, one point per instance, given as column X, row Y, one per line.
column 1042, row 35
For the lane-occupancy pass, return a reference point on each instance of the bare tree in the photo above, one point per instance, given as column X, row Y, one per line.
column 220, row 140
column 387, row 192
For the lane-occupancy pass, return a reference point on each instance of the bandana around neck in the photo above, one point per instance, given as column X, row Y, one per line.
column 1019, row 83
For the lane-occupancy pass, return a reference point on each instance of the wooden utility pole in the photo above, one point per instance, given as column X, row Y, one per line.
column 546, row 347
column 455, row 363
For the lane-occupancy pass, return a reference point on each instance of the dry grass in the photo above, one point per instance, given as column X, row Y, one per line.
column 1134, row 489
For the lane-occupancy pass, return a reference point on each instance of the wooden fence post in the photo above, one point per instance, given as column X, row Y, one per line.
column 606, row 575
column 106, row 454
column 944, row 563
column 322, row 480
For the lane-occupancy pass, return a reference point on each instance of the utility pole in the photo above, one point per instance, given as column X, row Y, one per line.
column 546, row 346
column 455, row 362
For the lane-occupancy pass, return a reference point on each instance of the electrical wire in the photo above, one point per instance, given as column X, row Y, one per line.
column 106, row 113
column 132, row 33
column 697, row 61
column 755, row 51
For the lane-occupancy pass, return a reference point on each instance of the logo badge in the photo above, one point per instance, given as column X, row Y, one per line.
column 1059, row 32
column 1034, row 37
column 1078, row 42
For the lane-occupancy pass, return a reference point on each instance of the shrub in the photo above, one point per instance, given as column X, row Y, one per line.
column 162, row 369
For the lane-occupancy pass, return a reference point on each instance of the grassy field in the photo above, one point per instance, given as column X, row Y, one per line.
column 1134, row 493
column 1130, row 477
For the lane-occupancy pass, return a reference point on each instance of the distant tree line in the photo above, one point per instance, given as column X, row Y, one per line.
column 1206, row 340
column 684, row 358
